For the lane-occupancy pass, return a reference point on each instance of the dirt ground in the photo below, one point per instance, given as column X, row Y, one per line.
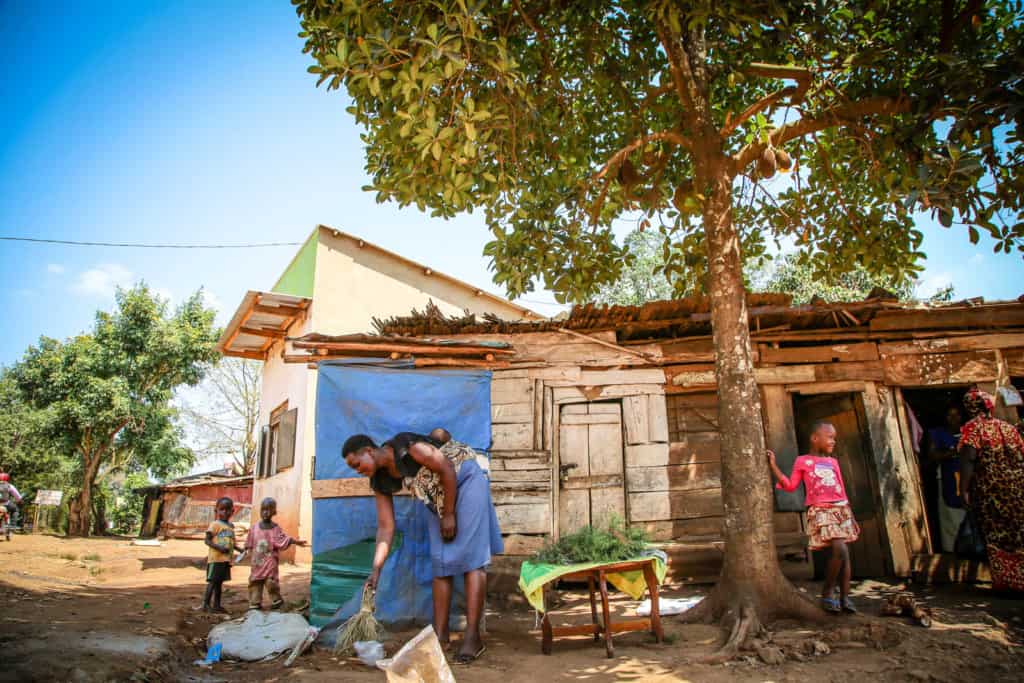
column 105, row 610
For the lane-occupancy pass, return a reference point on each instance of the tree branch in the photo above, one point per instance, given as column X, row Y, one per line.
column 796, row 73
column 674, row 136
column 834, row 116
column 682, row 78
column 754, row 109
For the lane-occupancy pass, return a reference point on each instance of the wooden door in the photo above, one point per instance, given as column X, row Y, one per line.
column 853, row 451
column 591, row 488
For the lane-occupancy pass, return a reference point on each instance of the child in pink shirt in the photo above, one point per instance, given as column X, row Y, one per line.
column 830, row 522
column 266, row 539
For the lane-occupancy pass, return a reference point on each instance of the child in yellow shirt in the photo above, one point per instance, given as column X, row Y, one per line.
column 220, row 539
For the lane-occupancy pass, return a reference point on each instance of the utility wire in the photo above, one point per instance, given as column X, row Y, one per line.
column 142, row 245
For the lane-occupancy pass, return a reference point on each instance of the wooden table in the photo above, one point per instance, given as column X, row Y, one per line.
column 596, row 577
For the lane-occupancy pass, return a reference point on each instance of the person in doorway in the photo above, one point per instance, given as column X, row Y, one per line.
column 992, row 485
column 265, row 541
column 830, row 522
column 463, row 526
column 942, row 442
column 220, row 539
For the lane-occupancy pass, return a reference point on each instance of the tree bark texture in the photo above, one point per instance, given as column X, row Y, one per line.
column 80, row 507
column 751, row 589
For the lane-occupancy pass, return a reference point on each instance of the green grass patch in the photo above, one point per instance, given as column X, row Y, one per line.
column 68, row 556
column 95, row 571
column 590, row 544
column 92, row 557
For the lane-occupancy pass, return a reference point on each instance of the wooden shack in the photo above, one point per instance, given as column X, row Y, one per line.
column 185, row 507
column 614, row 411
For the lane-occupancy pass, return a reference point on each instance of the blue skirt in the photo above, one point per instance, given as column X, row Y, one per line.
column 477, row 536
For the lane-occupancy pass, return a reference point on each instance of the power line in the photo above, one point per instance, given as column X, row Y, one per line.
column 143, row 245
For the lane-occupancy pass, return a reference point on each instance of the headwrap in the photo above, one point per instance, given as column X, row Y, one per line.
column 977, row 402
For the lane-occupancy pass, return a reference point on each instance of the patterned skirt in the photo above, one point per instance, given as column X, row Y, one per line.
column 1007, row 569
column 828, row 522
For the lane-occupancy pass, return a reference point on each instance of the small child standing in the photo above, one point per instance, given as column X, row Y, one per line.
column 830, row 522
column 266, row 539
column 220, row 539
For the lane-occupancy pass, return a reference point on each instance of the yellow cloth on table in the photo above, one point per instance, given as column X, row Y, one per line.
column 534, row 575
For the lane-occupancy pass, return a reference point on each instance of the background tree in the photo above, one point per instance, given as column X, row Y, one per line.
column 26, row 452
column 557, row 117
column 104, row 396
column 220, row 414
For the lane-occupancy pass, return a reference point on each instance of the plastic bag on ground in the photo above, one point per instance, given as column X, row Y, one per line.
column 421, row 660
column 258, row 635
column 668, row 606
column 369, row 651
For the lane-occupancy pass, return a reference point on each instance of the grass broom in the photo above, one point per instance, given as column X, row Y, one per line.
column 360, row 626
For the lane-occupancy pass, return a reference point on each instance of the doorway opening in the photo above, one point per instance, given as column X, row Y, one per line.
column 868, row 555
column 934, row 418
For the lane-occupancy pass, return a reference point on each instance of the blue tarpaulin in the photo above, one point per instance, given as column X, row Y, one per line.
column 382, row 400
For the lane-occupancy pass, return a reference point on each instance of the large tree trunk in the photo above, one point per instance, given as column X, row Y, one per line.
column 751, row 589
column 80, row 507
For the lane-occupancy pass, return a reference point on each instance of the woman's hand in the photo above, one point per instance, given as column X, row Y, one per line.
column 371, row 580
column 771, row 456
column 448, row 526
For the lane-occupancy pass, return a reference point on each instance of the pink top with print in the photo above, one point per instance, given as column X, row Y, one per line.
column 822, row 478
column 265, row 544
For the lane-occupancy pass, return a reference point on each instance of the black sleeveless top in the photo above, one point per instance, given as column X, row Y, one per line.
column 382, row 481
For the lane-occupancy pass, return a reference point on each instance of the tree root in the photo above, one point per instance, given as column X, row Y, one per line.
column 746, row 625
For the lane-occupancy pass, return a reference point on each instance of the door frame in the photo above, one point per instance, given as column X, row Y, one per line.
column 556, row 458
column 899, row 497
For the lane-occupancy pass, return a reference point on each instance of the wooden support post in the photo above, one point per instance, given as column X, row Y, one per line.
column 652, row 587
column 606, row 613
column 35, row 522
column 593, row 606
column 547, row 637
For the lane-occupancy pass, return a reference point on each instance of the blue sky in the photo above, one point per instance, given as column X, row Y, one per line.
column 197, row 122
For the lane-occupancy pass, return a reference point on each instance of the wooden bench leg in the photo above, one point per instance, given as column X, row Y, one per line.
column 606, row 613
column 652, row 587
column 593, row 606
column 546, row 637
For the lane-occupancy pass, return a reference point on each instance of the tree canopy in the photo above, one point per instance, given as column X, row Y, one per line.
column 555, row 118
column 103, row 399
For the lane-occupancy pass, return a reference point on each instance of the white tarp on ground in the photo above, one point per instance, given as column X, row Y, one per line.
column 258, row 635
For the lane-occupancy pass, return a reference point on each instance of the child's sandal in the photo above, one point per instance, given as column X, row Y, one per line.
column 849, row 607
column 831, row 605
column 277, row 605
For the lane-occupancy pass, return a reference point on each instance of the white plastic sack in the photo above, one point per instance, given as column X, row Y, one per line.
column 369, row 651
column 668, row 606
column 258, row 635
column 421, row 660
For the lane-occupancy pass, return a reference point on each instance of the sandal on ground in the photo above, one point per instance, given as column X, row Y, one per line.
column 277, row 605
column 848, row 606
column 218, row 610
column 469, row 659
column 831, row 605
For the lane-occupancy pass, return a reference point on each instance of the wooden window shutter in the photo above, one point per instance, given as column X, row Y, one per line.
column 260, row 466
column 286, row 439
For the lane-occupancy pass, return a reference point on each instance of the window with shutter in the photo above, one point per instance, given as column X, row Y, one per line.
column 286, row 440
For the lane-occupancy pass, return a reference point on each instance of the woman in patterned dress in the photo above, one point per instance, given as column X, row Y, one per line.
column 446, row 476
column 992, row 485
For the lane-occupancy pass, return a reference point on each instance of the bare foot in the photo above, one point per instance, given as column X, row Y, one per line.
column 471, row 649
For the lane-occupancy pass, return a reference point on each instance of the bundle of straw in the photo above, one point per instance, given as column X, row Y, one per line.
column 360, row 626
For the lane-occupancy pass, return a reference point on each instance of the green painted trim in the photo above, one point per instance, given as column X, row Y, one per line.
column 297, row 278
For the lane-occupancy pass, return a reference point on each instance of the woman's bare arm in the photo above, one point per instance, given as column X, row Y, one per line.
column 431, row 458
column 385, row 534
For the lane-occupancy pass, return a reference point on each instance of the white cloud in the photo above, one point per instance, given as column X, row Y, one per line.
column 165, row 294
column 102, row 280
column 55, row 268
